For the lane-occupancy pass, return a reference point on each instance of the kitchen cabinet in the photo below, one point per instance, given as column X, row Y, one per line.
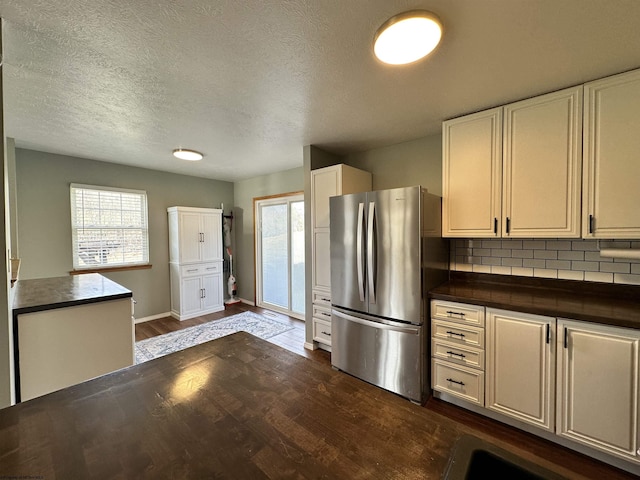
column 611, row 168
column 597, row 393
column 457, row 348
column 325, row 183
column 195, row 246
column 515, row 171
column 521, row 366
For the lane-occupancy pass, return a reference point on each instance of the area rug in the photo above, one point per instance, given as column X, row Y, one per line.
column 253, row 323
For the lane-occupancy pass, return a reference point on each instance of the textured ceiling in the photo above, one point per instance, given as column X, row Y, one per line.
column 250, row 82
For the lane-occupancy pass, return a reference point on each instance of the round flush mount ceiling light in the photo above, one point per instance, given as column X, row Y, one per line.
column 407, row 37
column 186, row 154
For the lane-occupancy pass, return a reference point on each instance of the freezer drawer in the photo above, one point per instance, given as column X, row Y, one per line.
column 390, row 355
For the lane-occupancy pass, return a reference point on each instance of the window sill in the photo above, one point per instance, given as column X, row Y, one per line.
column 110, row 269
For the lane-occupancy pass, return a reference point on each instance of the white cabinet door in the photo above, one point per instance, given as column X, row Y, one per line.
column 211, row 244
column 542, row 164
column 520, row 366
column 325, row 183
column 598, row 386
column 190, row 236
column 611, row 190
column 321, row 260
column 212, row 291
column 472, row 175
column 191, row 293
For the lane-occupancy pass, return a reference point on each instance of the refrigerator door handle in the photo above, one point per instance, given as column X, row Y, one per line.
column 414, row 330
column 359, row 252
column 371, row 254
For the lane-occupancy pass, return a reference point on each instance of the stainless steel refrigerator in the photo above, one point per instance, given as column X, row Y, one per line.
column 386, row 253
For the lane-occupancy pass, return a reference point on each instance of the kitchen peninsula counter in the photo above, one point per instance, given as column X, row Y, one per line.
column 49, row 293
column 67, row 330
column 610, row 304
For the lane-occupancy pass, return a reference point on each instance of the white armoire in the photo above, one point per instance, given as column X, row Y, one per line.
column 195, row 261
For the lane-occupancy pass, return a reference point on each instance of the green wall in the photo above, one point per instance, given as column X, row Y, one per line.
column 244, row 193
column 44, row 218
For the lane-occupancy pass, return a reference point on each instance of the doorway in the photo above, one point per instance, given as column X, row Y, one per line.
column 279, row 241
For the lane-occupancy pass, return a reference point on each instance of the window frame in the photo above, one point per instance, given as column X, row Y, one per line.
column 76, row 227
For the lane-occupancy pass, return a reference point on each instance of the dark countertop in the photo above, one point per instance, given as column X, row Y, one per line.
column 609, row 304
column 48, row 293
column 235, row 407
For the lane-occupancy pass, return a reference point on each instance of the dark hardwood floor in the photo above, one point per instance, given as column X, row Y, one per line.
column 292, row 340
column 582, row 466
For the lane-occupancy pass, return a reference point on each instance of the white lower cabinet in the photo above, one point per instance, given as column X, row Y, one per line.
column 597, row 395
column 573, row 379
column 520, row 366
column 196, row 289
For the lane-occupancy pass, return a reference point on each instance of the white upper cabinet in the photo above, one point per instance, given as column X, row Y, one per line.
column 611, row 189
column 542, row 163
column 195, row 234
column 515, row 171
column 472, row 175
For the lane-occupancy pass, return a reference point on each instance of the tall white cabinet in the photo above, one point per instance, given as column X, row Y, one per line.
column 195, row 261
column 325, row 183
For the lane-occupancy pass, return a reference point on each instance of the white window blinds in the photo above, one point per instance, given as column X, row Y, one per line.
column 109, row 227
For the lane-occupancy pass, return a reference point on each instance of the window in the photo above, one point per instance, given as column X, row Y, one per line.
column 109, row 227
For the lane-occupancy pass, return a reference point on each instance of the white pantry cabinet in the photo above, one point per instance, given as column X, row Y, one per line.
column 195, row 254
column 611, row 189
column 521, row 366
column 515, row 171
column 597, row 393
column 325, row 183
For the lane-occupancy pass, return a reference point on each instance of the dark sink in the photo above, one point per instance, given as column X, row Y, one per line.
column 474, row 458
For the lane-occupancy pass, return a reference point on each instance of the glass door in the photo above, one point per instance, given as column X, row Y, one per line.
column 280, row 254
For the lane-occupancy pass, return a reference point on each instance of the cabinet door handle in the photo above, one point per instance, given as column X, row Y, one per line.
column 548, row 333
column 566, row 337
column 204, row 293
column 451, row 312
column 590, row 223
column 495, row 225
column 326, row 333
column 461, row 335
column 456, row 354
column 455, row 381
column 508, row 224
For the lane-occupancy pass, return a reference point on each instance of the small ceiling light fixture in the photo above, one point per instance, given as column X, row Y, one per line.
column 186, row 154
column 407, row 37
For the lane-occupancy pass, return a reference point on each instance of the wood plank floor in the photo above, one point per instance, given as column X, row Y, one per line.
column 583, row 466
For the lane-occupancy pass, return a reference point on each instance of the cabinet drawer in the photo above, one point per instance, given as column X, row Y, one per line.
column 191, row 270
column 322, row 313
column 457, row 312
column 460, row 381
column 322, row 331
column 321, row 298
column 457, row 334
column 470, row 357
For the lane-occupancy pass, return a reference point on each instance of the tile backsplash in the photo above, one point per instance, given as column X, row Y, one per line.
column 547, row 258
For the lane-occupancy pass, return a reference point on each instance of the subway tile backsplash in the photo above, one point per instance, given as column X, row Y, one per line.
column 552, row 258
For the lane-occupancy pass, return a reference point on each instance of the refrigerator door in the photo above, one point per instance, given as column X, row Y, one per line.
column 394, row 280
column 348, row 243
column 387, row 354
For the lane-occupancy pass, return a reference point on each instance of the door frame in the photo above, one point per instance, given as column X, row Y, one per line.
column 255, row 248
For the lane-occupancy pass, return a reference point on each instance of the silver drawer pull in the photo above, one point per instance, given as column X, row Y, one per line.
column 461, row 335
column 326, row 333
column 451, row 312
column 325, row 299
column 455, row 381
column 192, row 270
column 211, row 268
column 326, row 314
column 456, row 354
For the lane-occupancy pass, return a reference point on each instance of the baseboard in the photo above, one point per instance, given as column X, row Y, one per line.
column 310, row 345
column 152, row 317
column 248, row 302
